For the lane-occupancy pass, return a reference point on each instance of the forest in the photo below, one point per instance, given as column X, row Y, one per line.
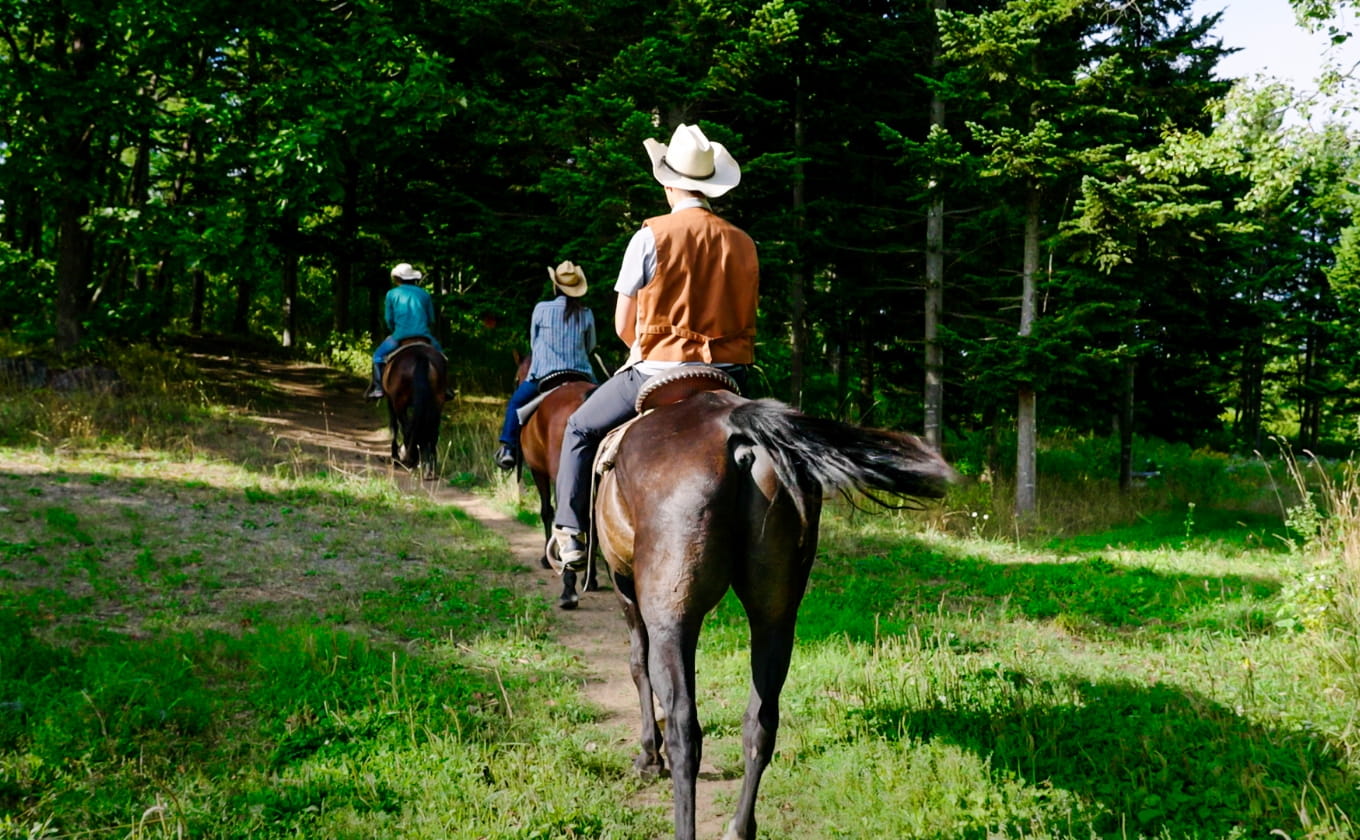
column 1017, row 219
column 1051, row 236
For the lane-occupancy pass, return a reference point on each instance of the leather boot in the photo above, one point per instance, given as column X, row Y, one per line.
column 375, row 391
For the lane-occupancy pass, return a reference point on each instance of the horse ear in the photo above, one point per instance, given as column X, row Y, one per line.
column 515, row 353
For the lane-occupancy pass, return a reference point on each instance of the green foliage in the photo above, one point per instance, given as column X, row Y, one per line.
column 254, row 172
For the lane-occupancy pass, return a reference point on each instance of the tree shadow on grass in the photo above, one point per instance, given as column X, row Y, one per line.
column 1154, row 758
column 1092, row 597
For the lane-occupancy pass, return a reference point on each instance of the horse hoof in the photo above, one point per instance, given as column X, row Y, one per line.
column 569, row 602
column 592, row 585
column 543, row 561
column 648, row 767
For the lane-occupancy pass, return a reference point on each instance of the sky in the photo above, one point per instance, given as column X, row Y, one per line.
column 1273, row 44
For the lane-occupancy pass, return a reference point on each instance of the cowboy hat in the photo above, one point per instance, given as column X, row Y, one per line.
column 404, row 271
column 569, row 279
column 691, row 162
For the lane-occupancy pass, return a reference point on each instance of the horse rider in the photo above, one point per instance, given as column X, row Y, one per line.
column 687, row 294
column 409, row 313
column 561, row 336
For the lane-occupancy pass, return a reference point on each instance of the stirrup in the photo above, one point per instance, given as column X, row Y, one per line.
column 573, row 558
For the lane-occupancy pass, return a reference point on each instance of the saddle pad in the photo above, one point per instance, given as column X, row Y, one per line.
column 609, row 446
column 527, row 410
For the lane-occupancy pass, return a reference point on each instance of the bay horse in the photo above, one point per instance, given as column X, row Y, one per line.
column 414, row 382
column 540, row 447
column 718, row 492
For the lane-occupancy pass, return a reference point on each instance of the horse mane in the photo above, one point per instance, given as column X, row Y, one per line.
column 814, row 452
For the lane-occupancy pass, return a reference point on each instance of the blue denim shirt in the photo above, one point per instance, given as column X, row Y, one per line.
column 558, row 342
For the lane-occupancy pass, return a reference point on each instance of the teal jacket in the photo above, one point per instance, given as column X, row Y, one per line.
column 409, row 312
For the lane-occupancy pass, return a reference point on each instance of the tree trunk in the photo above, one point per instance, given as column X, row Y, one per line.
column 200, row 291
column 1310, row 396
column 864, row 366
column 240, row 318
column 798, row 331
column 934, row 297
column 349, row 238
column 289, row 253
column 74, row 269
column 73, row 272
column 1126, row 426
column 1026, row 478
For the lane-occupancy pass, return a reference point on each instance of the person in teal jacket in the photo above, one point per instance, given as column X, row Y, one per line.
column 409, row 312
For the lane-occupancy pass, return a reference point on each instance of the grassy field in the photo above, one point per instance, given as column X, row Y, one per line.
column 250, row 644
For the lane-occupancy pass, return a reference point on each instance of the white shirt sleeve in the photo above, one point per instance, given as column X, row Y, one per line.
column 639, row 263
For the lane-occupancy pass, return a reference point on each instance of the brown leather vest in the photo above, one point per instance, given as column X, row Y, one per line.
column 700, row 305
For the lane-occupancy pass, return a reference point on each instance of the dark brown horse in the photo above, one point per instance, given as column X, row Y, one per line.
column 540, row 447
column 717, row 492
column 413, row 382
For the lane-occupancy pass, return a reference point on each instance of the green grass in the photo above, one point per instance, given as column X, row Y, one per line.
column 201, row 636
column 251, row 659
column 970, row 688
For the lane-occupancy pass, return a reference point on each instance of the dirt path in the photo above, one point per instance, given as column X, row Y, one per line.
column 328, row 415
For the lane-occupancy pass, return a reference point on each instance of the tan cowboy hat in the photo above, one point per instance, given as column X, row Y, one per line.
column 569, row 279
column 691, row 162
column 404, row 271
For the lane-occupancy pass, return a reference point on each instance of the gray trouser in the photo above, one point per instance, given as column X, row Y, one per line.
column 607, row 407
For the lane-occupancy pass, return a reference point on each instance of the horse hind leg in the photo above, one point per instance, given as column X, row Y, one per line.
column 670, row 665
column 771, row 652
column 429, row 452
column 648, row 762
column 771, row 602
column 394, row 431
column 543, row 483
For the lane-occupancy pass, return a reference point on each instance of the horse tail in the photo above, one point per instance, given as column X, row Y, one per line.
column 813, row 453
column 423, row 406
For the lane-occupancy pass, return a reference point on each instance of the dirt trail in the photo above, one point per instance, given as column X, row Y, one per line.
column 328, row 415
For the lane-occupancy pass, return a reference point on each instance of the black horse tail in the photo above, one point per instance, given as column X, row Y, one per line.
column 813, row 453
column 424, row 411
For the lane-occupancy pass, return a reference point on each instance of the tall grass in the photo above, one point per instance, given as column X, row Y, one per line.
column 1323, row 595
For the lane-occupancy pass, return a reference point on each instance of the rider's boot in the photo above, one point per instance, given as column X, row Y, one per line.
column 375, row 391
column 506, row 457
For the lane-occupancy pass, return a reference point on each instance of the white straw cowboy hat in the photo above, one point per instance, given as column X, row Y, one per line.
column 569, row 279
column 691, row 162
column 404, row 271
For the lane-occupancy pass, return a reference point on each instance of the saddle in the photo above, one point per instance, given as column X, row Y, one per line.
column 665, row 388
column 560, row 377
column 407, row 343
column 404, row 346
column 545, row 385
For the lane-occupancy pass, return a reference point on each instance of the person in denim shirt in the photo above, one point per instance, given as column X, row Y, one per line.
column 561, row 336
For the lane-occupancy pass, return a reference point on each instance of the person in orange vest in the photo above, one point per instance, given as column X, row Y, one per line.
column 687, row 293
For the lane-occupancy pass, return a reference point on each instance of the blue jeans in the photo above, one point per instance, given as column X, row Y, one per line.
column 389, row 344
column 526, row 391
